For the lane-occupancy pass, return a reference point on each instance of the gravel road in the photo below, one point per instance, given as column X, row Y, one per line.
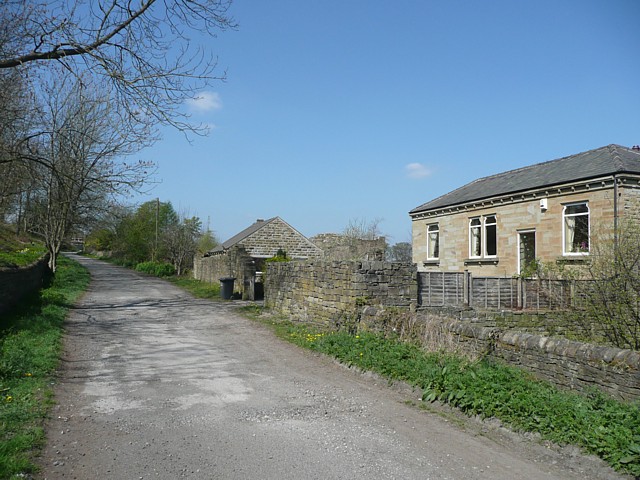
column 155, row 384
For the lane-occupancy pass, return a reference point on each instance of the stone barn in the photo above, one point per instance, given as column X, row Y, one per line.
column 243, row 256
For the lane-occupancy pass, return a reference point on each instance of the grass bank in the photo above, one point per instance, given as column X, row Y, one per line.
column 595, row 422
column 18, row 251
column 30, row 345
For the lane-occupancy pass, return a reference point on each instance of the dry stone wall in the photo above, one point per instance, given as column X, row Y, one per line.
column 322, row 291
column 568, row 364
column 341, row 248
column 16, row 283
column 573, row 365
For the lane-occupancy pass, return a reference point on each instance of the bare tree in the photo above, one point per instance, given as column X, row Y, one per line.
column 15, row 106
column 611, row 294
column 78, row 154
column 144, row 50
column 180, row 241
column 363, row 229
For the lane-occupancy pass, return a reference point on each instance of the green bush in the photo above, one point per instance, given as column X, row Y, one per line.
column 156, row 268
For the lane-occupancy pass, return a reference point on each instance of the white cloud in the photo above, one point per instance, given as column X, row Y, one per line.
column 205, row 102
column 417, row 170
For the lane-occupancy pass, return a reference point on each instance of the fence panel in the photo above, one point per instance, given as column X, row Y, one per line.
column 547, row 294
column 494, row 292
column 438, row 289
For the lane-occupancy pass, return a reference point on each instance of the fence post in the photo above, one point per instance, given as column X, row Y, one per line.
column 466, row 287
column 520, row 292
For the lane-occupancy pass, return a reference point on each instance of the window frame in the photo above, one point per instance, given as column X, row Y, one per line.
column 565, row 228
column 436, row 256
column 485, row 242
column 479, row 241
column 477, row 237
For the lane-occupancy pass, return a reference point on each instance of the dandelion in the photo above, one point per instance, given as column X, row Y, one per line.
column 28, row 374
column 8, row 399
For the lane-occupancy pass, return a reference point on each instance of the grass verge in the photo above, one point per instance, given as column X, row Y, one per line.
column 196, row 287
column 595, row 422
column 30, row 344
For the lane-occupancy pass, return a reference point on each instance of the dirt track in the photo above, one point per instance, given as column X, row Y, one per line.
column 156, row 384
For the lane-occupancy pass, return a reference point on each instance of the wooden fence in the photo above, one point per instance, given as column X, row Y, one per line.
column 453, row 289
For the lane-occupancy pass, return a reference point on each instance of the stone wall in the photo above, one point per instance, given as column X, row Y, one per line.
column 322, row 291
column 235, row 263
column 568, row 364
column 340, row 247
column 573, row 365
column 16, row 283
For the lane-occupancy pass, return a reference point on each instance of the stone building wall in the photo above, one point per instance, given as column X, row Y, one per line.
column 512, row 217
column 15, row 283
column 278, row 235
column 630, row 203
column 323, row 291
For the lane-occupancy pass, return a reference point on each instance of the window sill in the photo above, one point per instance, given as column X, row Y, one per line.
column 481, row 261
column 434, row 262
column 573, row 259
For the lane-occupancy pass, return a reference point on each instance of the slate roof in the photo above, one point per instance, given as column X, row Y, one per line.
column 242, row 235
column 603, row 161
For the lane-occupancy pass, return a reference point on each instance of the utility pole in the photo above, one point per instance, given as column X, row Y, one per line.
column 155, row 248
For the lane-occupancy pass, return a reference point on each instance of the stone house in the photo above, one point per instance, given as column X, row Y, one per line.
column 243, row 256
column 500, row 224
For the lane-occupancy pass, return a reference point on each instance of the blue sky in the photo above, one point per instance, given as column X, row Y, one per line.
column 364, row 109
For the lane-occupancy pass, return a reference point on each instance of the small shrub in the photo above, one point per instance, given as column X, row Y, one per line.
column 156, row 268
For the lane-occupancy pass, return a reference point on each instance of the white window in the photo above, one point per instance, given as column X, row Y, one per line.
column 475, row 238
column 490, row 236
column 433, row 241
column 483, row 236
column 576, row 229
